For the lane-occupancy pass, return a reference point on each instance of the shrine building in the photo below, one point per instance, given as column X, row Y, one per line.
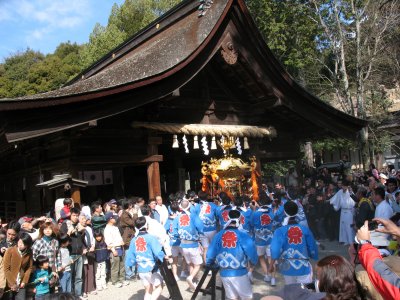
column 142, row 119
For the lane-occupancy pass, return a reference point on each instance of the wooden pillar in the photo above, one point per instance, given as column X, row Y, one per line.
column 153, row 178
column 153, row 168
column 76, row 195
column 75, row 190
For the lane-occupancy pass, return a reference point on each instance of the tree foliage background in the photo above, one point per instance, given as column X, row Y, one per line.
column 30, row 72
column 347, row 52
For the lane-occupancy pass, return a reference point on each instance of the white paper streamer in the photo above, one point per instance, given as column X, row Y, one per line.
column 185, row 144
column 238, row 146
column 205, row 145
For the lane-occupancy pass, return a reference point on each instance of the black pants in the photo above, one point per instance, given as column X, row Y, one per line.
column 332, row 224
column 19, row 295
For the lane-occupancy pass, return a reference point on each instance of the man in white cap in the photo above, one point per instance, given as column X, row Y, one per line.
column 231, row 250
column 382, row 179
column 294, row 245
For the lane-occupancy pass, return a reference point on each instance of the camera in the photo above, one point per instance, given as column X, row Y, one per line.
column 372, row 225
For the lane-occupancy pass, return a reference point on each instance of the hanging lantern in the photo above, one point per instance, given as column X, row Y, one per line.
column 175, row 143
column 245, row 143
column 195, row 142
column 185, row 144
column 213, row 143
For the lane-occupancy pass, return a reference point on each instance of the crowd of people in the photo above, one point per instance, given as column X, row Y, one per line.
column 81, row 250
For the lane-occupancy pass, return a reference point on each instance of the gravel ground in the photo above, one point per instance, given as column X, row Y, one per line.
column 135, row 290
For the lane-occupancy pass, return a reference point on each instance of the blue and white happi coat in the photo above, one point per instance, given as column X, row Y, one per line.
column 208, row 214
column 262, row 223
column 231, row 249
column 143, row 251
column 294, row 245
column 187, row 227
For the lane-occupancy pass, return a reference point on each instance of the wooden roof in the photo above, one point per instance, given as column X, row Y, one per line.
column 165, row 56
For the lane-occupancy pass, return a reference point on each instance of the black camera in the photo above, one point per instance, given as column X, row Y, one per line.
column 372, row 225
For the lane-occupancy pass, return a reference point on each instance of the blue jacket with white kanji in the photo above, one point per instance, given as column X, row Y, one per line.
column 207, row 212
column 245, row 219
column 223, row 214
column 231, row 249
column 262, row 221
column 187, row 227
column 143, row 251
column 294, row 245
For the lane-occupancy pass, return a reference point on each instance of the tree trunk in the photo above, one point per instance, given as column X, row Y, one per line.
column 308, row 152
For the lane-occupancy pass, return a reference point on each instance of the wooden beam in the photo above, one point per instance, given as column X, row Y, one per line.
column 120, row 159
column 153, row 179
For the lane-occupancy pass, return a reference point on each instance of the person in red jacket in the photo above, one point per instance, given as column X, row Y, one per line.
column 386, row 282
column 65, row 213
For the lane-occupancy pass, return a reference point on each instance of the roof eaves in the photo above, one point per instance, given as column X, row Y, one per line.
column 139, row 37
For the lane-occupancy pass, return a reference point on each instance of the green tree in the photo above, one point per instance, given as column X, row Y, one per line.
column 124, row 21
column 14, row 73
column 102, row 40
column 31, row 72
column 56, row 69
column 289, row 29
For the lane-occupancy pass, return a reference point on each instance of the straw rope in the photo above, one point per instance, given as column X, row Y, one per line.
column 210, row 130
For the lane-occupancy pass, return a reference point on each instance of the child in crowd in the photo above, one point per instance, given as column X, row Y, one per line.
column 102, row 255
column 41, row 277
column 65, row 269
column 65, row 212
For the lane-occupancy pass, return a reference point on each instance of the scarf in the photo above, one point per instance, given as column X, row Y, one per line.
column 47, row 238
column 22, row 253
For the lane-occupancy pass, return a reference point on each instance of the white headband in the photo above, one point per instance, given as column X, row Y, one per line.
column 237, row 220
column 143, row 227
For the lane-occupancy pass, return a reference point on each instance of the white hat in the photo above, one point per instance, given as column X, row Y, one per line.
column 381, row 175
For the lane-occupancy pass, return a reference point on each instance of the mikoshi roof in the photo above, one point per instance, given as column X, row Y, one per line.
column 162, row 58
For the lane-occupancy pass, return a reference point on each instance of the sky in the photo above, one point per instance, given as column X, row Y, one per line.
column 43, row 24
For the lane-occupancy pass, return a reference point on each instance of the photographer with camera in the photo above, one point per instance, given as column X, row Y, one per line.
column 386, row 282
column 76, row 232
